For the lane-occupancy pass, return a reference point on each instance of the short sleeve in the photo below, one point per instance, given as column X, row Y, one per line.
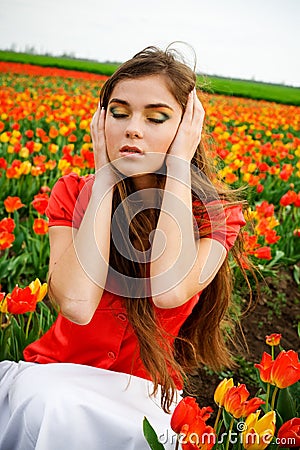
column 222, row 223
column 68, row 200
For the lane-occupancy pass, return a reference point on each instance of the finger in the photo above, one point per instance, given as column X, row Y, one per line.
column 198, row 112
column 188, row 114
column 94, row 120
column 102, row 118
column 198, row 107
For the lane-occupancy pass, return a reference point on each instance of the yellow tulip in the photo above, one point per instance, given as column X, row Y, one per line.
column 24, row 152
column 259, row 432
column 3, row 306
column 4, row 137
column 38, row 289
column 221, row 390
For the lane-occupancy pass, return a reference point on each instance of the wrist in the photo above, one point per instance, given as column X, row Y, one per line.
column 178, row 168
column 104, row 179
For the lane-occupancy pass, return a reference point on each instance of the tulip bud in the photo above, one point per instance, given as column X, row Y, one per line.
column 273, row 339
column 221, row 390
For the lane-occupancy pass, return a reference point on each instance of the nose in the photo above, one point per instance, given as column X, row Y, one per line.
column 134, row 130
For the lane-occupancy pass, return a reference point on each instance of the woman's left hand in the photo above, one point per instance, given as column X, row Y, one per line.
column 188, row 135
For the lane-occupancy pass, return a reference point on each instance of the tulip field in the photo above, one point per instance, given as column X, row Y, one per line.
column 45, row 133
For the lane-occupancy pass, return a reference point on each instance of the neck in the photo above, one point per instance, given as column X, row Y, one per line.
column 147, row 181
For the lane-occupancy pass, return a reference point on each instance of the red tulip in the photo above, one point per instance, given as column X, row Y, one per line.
column 263, row 253
column 12, row 204
column 21, row 301
column 185, row 412
column 189, row 420
column 40, row 203
column 289, row 433
column 297, row 200
column 285, row 369
column 7, row 224
column 237, row 404
column 265, row 367
column 197, row 436
column 288, row 198
column 40, row 226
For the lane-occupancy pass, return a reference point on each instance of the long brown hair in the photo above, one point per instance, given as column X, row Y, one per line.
column 201, row 338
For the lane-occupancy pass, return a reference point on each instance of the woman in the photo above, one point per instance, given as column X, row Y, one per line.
column 138, row 268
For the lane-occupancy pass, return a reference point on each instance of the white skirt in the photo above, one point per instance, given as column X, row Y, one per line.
column 61, row 405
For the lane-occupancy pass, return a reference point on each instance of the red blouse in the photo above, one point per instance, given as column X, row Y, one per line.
column 108, row 341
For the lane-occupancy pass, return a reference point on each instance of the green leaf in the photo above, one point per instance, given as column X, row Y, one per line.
column 151, row 436
column 296, row 274
column 285, row 405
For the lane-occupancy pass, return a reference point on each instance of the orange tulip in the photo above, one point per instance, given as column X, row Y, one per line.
column 237, row 404
column 265, row 367
column 285, row 369
column 6, row 239
column 12, row 204
column 40, row 226
column 21, row 301
column 273, row 339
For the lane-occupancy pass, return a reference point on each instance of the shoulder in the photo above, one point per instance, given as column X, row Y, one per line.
column 68, row 199
column 219, row 220
column 71, row 184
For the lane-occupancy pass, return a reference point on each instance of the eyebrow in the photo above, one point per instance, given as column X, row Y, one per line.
column 150, row 106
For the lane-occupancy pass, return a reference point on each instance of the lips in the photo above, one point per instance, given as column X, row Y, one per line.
column 126, row 149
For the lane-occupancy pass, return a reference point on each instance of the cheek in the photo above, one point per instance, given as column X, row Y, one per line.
column 169, row 136
column 109, row 137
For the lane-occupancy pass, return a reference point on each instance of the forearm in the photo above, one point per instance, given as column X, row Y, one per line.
column 78, row 277
column 174, row 249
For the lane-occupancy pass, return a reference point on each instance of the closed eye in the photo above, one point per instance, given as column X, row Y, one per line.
column 159, row 117
column 119, row 115
column 118, row 112
column 156, row 120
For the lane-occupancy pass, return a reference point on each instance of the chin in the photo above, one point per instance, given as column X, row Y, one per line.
column 129, row 169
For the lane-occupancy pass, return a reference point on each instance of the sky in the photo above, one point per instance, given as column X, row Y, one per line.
column 248, row 39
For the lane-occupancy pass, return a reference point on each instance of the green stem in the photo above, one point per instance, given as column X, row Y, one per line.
column 267, row 397
column 273, row 352
column 41, row 248
column 218, row 418
column 177, row 444
column 229, row 434
column 28, row 323
column 274, row 397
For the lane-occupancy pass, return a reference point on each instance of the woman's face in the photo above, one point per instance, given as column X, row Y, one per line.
column 142, row 119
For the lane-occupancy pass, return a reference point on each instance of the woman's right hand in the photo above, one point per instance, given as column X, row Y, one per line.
column 99, row 144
